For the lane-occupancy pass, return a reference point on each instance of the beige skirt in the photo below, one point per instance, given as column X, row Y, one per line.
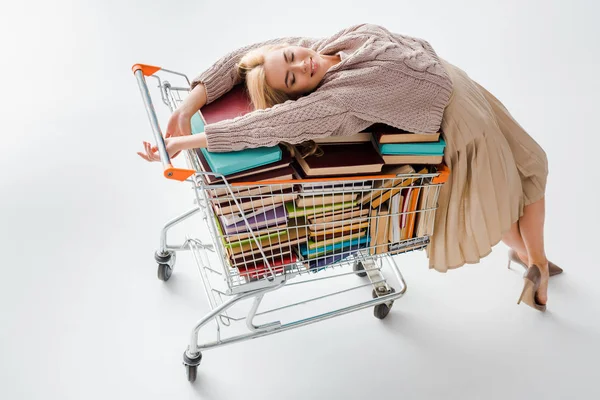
column 496, row 169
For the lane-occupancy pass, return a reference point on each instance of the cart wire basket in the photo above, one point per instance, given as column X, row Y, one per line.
column 297, row 237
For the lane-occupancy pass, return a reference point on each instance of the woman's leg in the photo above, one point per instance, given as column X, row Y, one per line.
column 513, row 239
column 531, row 225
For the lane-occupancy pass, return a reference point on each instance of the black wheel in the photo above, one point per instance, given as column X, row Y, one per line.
column 191, row 372
column 382, row 310
column 359, row 269
column 164, row 272
column 191, row 366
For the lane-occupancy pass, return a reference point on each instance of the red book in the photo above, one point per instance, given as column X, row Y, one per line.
column 234, row 103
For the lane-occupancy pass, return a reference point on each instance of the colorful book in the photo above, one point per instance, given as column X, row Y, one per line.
column 361, row 137
column 339, row 215
column 313, row 200
column 378, row 230
column 408, row 229
column 414, row 149
column 419, row 159
column 232, row 104
column 267, row 242
column 297, row 212
column 330, row 249
column 245, row 176
column 245, row 204
column 279, row 174
column 270, row 217
column 324, row 242
column 259, row 270
column 338, row 160
column 324, row 261
column 237, row 161
column 387, row 134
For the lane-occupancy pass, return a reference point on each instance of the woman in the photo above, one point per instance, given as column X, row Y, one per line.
column 307, row 88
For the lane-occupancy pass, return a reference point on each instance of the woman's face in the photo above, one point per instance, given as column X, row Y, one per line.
column 294, row 70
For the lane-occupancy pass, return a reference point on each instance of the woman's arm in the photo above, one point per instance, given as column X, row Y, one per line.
column 317, row 115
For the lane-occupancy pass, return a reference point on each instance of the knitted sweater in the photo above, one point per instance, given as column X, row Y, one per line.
column 389, row 78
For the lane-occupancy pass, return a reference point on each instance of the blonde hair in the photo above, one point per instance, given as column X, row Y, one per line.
column 251, row 69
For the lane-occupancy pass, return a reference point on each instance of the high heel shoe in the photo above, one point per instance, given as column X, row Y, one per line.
column 532, row 279
column 514, row 257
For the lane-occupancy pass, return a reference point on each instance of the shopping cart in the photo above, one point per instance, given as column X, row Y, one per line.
column 269, row 237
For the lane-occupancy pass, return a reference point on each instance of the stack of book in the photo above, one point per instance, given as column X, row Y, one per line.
column 317, row 221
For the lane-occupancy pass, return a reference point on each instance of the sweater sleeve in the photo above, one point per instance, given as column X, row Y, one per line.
column 295, row 121
column 222, row 76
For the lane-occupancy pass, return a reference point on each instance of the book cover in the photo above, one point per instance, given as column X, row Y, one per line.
column 324, row 242
column 246, row 192
column 386, row 134
column 254, row 259
column 408, row 229
column 235, row 217
column 314, row 200
column 279, row 174
column 244, row 176
column 296, row 212
column 339, row 215
column 259, row 270
column 361, row 137
column 342, row 159
column 413, row 149
column 232, row 104
column 267, row 242
column 322, row 262
column 249, row 203
column 267, row 218
column 228, row 163
column 378, row 230
column 330, row 249
column 419, row 159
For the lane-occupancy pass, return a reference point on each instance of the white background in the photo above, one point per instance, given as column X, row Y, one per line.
column 82, row 313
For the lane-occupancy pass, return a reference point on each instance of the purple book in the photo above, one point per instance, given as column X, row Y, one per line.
column 273, row 217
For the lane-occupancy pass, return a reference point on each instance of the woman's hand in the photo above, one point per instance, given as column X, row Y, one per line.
column 151, row 152
column 179, row 124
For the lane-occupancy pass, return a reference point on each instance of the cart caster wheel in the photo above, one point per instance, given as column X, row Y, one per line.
column 191, row 366
column 359, row 269
column 382, row 310
column 164, row 272
column 191, row 371
column 166, row 262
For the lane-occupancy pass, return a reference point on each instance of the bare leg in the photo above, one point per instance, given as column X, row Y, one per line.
column 513, row 239
column 531, row 225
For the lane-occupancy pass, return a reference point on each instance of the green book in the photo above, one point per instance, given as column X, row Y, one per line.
column 294, row 212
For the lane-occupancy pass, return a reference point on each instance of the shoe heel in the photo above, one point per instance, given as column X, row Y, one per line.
column 531, row 282
column 527, row 294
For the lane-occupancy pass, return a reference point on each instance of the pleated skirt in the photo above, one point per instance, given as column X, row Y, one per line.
column 496, row 169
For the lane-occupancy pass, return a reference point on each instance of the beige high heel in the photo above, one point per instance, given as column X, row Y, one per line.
column 514, row 257
column 532, row 279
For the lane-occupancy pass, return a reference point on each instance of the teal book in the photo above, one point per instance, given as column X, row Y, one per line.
column 237, row 161
column 197, row 123
column 332, row 248
column 414, row 149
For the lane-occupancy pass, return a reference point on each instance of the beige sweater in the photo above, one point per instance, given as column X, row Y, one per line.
column 389, row 78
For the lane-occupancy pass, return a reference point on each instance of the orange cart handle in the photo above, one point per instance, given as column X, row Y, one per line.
column 141, row 71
